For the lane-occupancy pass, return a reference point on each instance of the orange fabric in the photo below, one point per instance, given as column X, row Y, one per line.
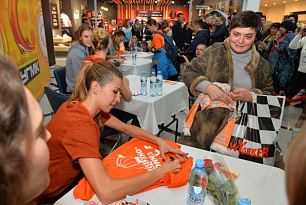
column 92, row 58
column 134, row 158
column 158, row 40
column 74, row 135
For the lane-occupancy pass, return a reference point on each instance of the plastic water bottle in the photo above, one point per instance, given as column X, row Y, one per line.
column 134, row 58
column 135, row 48
column 153, row 85
column 159, row 83
column 143, row 86
column 244, row 202
column 197, row 184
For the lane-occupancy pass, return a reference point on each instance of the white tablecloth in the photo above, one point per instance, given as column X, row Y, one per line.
column 142, row 64
column 146, row 55
column 262, row 184
column 153, row 111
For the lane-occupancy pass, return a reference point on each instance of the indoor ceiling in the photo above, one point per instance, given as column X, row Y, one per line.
column 271, row 3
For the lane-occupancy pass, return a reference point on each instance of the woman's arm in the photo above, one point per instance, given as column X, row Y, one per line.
column 297, row 42
column 137, row 132
column 125, row 91
column 109, row 190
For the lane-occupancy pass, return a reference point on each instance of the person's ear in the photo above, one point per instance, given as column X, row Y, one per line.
column 95, row 87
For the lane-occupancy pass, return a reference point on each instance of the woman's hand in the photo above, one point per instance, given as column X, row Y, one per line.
column 121, row 60
column 164, row 148
column 173, row 166
column 241, row 94
column 216, row 94
column 149, row 46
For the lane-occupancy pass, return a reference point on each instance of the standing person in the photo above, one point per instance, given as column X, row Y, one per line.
column 298, row 81
column 75, row 129
column 282, row 58
column 235, row 62
column 220, row 32
column 201, row 37
column 128, row 33
column 188, row 34
column 160, row 58
column 294, row 19
column 24, row 157
column 76, row 55
column 149, row 36
column 178, row 32
column 265, row 45
column 138, row 29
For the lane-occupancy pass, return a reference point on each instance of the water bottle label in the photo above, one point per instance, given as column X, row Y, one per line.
column 195, row 199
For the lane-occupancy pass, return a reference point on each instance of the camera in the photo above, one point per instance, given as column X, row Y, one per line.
column 155, row 50
column 181, row 59
column 304, row 29
column 275, row 42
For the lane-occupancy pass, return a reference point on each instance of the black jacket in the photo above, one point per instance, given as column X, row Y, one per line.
column 178, row 35
column 201, row 36
column 219, row 34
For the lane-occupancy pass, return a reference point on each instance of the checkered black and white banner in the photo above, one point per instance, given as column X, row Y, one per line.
column 256, row 128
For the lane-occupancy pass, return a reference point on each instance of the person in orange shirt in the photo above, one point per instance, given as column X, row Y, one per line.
column 100, row 45
column 160, row 58
column 75, row 129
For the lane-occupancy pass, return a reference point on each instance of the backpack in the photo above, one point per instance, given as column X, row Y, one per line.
column 170, row 47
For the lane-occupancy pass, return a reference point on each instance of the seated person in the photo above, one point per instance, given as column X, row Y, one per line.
column 100, row 45
column 76, row 55
column 134, row 43
column 24, row 158
column 234, row 61
column 115, row 41
column 75, row 129
column 199, row 50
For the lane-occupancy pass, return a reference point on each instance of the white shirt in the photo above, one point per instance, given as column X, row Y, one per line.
column 296, row 43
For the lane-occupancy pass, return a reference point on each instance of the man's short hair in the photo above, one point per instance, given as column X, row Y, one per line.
column 179, row 15
column 199, row 22
column 207, row 16
column 247, row 19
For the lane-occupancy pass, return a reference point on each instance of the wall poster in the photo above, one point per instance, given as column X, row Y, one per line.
column 22, row 38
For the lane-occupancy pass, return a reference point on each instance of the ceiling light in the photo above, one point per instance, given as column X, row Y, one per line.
column 172, row 2
column 266, row 4
column 274, row 3
column 188, row 2
column 285, row 2
column 156, row 2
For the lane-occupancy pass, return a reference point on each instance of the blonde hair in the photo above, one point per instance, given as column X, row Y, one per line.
column 102, row 72
column 100, row 39
column 295, row 170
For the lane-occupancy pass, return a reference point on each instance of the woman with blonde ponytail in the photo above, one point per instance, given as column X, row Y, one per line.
column 75, row 129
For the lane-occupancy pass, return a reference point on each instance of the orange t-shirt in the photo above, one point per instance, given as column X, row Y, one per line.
column 74, row 135
column 134, row 158
column 158, row 40
column 92, row 58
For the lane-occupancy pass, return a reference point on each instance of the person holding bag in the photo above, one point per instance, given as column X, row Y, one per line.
column 235, row 62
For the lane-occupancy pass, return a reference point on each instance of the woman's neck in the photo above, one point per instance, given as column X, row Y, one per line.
column 100, row 53
column 91, row 106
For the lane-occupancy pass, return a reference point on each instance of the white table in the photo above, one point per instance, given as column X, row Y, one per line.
column 142, row 64
column 146, row 55
column 152, row 111
column 263, row 184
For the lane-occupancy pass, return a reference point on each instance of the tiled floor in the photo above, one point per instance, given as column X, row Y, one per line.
column 291, row 114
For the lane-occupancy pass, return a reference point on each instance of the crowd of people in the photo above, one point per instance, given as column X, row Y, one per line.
column 252, row 55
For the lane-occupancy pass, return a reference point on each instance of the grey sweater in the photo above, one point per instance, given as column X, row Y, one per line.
column 76, row 55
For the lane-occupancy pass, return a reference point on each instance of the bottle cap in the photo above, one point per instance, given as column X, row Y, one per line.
column 159, row 72
column 153, row 73
column 200, row 163
column 244, row 202
column 143, row 72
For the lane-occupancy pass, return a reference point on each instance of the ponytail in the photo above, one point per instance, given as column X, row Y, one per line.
column 102, row 72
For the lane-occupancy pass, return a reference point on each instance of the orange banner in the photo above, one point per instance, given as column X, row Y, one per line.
column 22, row 37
